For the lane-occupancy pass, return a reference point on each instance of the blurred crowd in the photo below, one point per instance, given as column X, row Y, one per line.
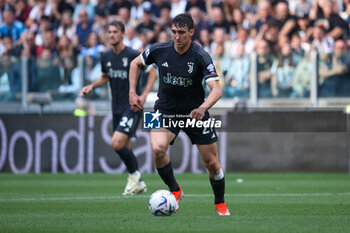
column 52, row 34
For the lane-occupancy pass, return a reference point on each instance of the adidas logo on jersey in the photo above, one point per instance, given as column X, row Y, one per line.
column 165, row 64
column 109, row 64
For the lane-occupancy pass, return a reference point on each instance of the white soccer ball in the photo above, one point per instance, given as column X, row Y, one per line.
column 162, row 203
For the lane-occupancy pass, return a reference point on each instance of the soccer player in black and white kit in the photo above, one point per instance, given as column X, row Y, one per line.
column 115, row 70
column 182, row 66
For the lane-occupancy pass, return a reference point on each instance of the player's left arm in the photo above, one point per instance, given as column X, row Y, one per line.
column 214, row 95
column 152, row 77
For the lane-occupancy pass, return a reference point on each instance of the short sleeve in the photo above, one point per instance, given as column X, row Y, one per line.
column 103, row 66
column 147, row 56
column 207, row 67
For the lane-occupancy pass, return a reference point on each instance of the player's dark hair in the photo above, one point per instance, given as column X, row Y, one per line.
column 118, row 24
column 183, row 20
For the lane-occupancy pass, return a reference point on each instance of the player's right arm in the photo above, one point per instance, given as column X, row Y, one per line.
column 101, row 81
column 134, row 72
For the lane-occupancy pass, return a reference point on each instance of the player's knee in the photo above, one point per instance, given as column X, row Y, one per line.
column 159, row 151
column 211, row 164
column 117, row 144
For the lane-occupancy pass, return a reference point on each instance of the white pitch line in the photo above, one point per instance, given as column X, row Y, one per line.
column 185, row 195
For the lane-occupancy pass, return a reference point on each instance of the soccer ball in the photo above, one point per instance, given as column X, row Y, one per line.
column 162, row 203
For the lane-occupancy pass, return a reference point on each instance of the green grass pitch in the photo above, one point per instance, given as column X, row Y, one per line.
column 263, row 202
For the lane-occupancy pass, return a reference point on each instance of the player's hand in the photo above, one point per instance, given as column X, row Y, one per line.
column 197, row 113
column 142, row 99
column 86, row 90
column 135, row 102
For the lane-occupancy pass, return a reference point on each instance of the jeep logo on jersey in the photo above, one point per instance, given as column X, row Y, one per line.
column 190, row 67
column 122, row 74
column 180, row 81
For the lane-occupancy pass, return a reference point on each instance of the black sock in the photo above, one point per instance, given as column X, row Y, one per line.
column 218, row 189
column 167, row 175
column 129, row 159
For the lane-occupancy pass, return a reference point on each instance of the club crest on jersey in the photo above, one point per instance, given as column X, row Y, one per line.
column 190, row 67
column 125, row 61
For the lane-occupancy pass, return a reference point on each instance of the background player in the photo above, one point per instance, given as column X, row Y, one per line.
column 115, row 70
column 182, row 66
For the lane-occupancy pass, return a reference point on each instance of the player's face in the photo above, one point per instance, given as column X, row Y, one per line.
column 182, row 36
column 115, row 35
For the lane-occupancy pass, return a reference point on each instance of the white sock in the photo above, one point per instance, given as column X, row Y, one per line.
column 136, row 173
column 219, row 175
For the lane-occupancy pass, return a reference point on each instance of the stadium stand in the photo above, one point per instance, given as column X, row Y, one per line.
column 268, row 52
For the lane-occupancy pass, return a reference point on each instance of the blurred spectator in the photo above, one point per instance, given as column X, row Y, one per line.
column 100, row 26
column 67, row 27
column 83, row 29
column 47, row 75
column 164, row 21
column 101, row 8
column 58, row 7
column 321, row 43
column 41, row 8
column 269, row 33
column 156, row 5
column 236, row 80
column 163, row 36
column 8, row 87
column 90, row 9
column 124, row 16
column 26, row 47
column 177, row 7
column 199, row 22
column 217, row 20
column 244, row 39
column 298, row 50
column 11, row 27
column 333, row 24
column 146, row 26
column 250, row 7
column 229, row 6
column 334, row 72
column 204, row 40
column 302, row 76
column 137, row 9
column 65, row 47
column 304, row 27
column 196, row 3
column 263, row 16
column 287, row 23
column 132, row 40
column 5, row 5
column 44, row 25
column 49, row 43
column 93, row 47
column 283, row 70
column 220, row 45
column 265, row 60
column 240, row 20
column 302, row 7
column 22, row 10
column 67, row 62
column 115, row 5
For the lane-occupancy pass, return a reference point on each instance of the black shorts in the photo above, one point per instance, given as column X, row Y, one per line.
column 127, row 122
column 197, row 135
